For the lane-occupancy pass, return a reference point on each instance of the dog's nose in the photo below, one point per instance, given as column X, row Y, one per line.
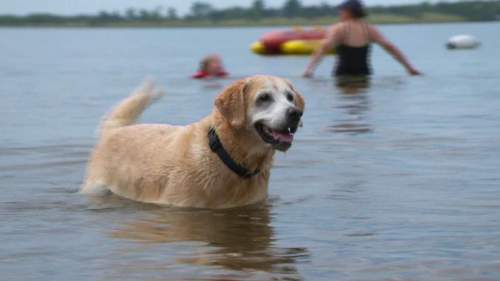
column 294, row 114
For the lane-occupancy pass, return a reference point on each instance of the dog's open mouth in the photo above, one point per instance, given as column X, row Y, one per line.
column 279, row 139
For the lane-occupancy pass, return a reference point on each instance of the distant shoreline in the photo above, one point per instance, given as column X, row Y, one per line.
column 271, row 22
column 292, row 13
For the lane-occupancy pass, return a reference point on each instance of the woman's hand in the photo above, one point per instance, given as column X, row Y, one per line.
column 413, row 72
column 308, row 73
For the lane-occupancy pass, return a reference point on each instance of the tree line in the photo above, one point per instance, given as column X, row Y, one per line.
column 258, row 10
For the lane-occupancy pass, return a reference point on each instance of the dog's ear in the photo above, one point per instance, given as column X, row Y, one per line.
column 231, row 103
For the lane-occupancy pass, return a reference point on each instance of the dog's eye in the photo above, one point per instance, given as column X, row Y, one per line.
column 266, row 97
column 289, row 96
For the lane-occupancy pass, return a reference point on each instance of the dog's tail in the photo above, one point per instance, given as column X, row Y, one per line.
column 129, row 110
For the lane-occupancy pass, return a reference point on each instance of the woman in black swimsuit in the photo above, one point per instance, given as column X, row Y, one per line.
column 352, row 37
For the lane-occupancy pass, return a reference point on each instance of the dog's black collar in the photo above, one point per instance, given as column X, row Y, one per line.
column 217, row 148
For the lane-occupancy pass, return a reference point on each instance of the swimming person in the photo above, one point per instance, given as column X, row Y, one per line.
column 211, row 67
column 352, row 38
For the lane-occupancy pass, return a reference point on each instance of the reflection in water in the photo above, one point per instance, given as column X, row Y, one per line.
column 354, row 101
column 238, row 240
column 353, row 83
column 212, row 84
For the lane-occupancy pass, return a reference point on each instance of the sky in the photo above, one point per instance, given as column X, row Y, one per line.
column 71, row 7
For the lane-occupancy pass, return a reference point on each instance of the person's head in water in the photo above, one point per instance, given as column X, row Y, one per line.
column 351, row 9
column 212, row 65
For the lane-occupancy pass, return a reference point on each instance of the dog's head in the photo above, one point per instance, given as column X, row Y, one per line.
column 268, row 107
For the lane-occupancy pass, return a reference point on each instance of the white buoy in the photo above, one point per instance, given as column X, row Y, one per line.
column 462, row 41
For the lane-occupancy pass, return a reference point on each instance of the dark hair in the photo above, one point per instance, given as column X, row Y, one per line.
column 355, row 7
column 206, row 61
column 204, row 64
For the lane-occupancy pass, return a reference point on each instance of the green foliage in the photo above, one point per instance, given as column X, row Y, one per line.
column 201, row 10
column 469, row 10
column 291, row 12
column 172, row 14
column 292, row 8
column 258, row 9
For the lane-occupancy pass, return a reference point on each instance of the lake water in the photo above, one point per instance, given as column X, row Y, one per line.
column 399, row 181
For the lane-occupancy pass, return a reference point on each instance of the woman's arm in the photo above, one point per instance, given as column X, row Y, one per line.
column 328, row 43
column 378, row 38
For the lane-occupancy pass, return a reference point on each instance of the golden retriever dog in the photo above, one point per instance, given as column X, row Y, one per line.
column 221, row 161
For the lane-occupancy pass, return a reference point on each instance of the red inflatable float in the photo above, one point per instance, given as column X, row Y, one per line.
column 289, row 42
column 272, row 41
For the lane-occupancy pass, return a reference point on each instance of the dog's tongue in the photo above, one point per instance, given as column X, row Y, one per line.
column 283, row 137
